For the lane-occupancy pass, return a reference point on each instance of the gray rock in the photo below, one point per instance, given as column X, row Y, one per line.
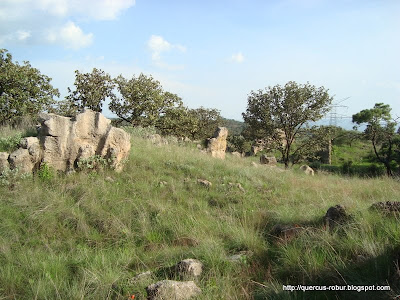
column 335, row 215
column 268, row 160
column 189, row 269
column 4, row 165
column 217, row 144
column 204, row 182
column 307, row 170
column 172, row 290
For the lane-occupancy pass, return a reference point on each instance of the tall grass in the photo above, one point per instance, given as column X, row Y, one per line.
column 83, row 236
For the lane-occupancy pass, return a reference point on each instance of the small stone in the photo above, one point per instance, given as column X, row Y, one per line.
column 109, row 179
column 387, row 207
column 142, row 276
column 162, row 183
column 307, row 170
column 268, row 160
column 254, row 164
column 204, row 182
column 335, row 215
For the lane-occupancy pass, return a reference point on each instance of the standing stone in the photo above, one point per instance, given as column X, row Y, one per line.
column 217, row 144
column 268, row 160
column 307, row 170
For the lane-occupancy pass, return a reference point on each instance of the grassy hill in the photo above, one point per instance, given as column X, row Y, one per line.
column 86, row 235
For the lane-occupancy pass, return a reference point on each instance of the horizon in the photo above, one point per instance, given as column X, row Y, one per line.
column 214, row 54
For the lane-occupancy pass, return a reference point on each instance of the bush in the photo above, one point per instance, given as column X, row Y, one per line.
column 9, row 144
column 45, row 173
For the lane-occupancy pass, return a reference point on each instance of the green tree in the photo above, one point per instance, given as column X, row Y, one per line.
column 178, row 121
column 23, row 89
column 91, row 90
column 207, row 121
column 143, row 100
column 381, row 131
column 280, row 113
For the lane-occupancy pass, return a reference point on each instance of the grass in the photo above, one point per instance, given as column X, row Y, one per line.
column 82, row 236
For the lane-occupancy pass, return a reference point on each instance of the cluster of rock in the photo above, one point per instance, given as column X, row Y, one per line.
column 62, row 142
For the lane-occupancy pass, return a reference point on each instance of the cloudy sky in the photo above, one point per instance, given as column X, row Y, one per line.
column 213, row 53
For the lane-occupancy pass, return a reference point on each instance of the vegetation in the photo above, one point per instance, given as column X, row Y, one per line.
column 24, row 91
column 85, row 236
column 381, row 131
column 280, row 114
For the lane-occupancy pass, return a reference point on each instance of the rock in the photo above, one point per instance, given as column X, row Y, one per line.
column 66, row 141
column 307, row 170
column 172, row 290
column 238, row 185
column 162, row 183
column 237, row 154
column 157, row 139
column 109, row 179
column 387, row 207
column 285, row 233
column 204, row 182
column 217, row 144
column 142, row 276
column 4, row 164
column 335, row 215
column 21, row 159
column 268, row 160
column 254, row 164
column 199, row 146
column 240, row 257
column 189, row 269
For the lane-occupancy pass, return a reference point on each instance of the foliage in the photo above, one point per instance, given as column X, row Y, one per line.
column 238, row 143
column 234, row 127
column 280, row 113
column 178, row 121
column 381, row 131
column 143, row 100
column 11, row 143
column 45, row 173
column 207, row 121
column 23, row 89
column 91, row 90
column 94, row 163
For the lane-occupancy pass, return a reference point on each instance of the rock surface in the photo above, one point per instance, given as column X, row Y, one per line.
column 387, row 207
column 172, row 290
column 217, row 144
column 307, row 170
column 204, row 182
column 4, row 165
column 268, row 160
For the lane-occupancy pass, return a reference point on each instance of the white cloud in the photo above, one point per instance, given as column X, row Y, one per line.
column 71, row 36
column 238, row 57
column 31, row 20
column 157, row 45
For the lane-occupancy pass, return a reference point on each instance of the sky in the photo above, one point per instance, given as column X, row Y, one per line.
column 214, row 53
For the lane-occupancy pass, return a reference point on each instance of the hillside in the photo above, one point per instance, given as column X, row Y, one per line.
column 87, row 235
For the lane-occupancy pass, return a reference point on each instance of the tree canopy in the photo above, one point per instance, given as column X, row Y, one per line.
column 281, row 112
column 23, row 89
column 143, row 100
column 381, row 131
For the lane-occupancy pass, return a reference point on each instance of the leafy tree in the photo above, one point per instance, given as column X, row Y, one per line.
column 143, row 100
column 381, row 131
column 207, row 121
column 23, row 89
column 91, row 90
column 280, row 114
column 178, row 121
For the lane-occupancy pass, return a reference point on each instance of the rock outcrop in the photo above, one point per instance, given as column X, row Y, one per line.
column 62, row 142
column 217, row 144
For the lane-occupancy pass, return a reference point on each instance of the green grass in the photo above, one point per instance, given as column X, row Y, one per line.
column 83, row 237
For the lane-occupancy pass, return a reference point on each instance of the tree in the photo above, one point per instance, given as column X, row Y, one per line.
column 280, row 113
column 143, row 100
column 381, row 131
column 23, row 89
column 178, row 121
column 91, row 90
column 207, row 121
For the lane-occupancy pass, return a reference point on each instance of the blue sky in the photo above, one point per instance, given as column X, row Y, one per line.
column 213, row 53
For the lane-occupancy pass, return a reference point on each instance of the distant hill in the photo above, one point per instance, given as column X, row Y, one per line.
column 234, row 127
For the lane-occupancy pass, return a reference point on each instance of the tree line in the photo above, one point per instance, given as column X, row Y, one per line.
column 279, row 114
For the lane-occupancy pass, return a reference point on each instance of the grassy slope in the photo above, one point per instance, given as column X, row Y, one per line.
column 83, row 237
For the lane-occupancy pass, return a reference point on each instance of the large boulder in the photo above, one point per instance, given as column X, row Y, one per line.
column 66, row 141
column 217, row 144
column 4, row 165
column 170, row 289
column 189, row 269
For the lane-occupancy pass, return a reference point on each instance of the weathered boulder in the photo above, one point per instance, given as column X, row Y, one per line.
column 189, row 269
column 66, row 141
column 307, row 170
column 268, row 160
column 4, row 165
column 172, row 290
column 237, row 154
column 388, row 207
column 217, row 144
column 335, row 215
column 21, row 159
